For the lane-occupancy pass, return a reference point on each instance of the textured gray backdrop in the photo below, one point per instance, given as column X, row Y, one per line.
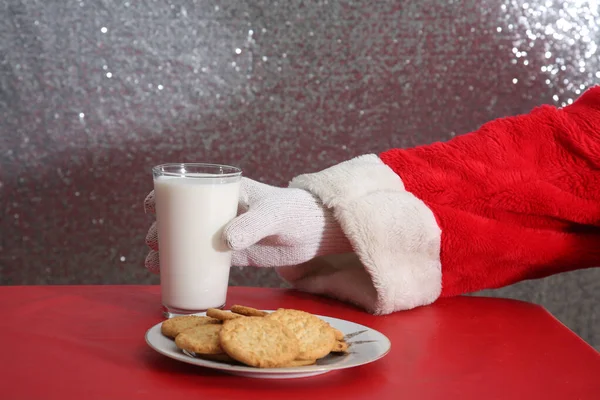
column 93, row 93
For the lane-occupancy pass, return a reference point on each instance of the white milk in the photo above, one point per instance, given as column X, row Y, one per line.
column 194, row 260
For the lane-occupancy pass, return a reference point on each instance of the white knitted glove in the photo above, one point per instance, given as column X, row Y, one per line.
column 275, row 227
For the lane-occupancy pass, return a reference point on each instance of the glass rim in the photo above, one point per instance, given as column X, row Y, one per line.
column 219, row 170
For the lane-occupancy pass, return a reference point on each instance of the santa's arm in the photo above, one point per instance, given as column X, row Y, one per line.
column 517, row 199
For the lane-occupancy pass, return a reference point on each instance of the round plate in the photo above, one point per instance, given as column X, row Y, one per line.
column 366, row 345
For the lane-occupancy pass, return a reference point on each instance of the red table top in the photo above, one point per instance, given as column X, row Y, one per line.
column 87, row 342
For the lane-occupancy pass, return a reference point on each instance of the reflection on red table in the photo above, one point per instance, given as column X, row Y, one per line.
column 87, row 342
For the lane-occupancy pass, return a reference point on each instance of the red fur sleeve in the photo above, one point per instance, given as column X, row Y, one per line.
column 517, row 199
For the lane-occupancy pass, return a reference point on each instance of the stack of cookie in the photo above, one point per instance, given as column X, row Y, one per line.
column 284, row 338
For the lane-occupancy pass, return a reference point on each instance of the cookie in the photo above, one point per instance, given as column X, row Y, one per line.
column 315, row 336
column 339, row 347
column 201, row 339
column 223, row 358
column 174, row 326
column 339, row 335
column 259, row 342
column 299, row 363
column 221, row 315
column 248, row 311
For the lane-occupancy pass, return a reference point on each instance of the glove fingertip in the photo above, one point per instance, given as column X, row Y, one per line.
column 152, row 262
column 247, row 229
column 152, row 237
column 150, row 203
column 235, row 240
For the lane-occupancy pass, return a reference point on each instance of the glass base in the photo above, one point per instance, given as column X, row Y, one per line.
column 170, row 312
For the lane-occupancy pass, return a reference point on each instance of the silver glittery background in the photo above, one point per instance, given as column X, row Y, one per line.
column 93, row 93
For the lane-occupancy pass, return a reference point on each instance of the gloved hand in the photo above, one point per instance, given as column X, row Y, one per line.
column 274, row 227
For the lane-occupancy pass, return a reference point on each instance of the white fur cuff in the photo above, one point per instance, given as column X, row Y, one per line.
column 394, row 234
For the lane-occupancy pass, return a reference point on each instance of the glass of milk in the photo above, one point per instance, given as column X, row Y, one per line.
column 194, row 202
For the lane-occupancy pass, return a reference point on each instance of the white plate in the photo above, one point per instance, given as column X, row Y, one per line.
column 366, row 345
